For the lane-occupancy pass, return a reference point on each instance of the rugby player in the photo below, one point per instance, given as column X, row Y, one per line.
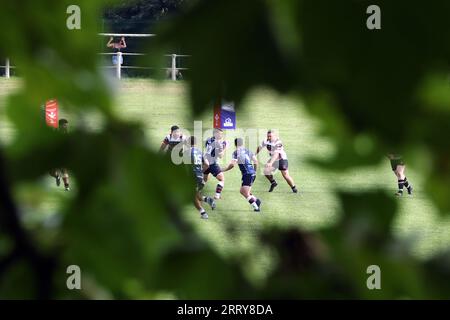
column 63, row 126
column 198, row 161
column 278, row 160
column 398, row 166
column 247, row 164
column 215, row 148
column 172, row 139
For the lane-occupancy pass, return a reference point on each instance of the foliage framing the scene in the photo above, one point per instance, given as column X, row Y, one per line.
column 388, row 87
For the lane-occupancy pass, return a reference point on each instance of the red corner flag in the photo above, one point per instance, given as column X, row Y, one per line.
column 51, row 113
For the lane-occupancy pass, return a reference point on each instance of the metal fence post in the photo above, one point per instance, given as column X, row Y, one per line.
column 7, row 68
column 118, row 65
column 174, row 67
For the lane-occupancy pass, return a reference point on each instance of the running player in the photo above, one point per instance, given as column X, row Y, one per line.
column 278, row 160
column 63, row 126
column 172, row 139
column 398, row 166
column 198, row 161
column 215, row 148
column 247, row 164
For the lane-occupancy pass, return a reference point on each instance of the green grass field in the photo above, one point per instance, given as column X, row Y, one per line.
column 160, row 105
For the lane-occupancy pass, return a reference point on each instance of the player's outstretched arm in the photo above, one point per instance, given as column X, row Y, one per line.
column 230, row 166
column 255, row 162
column 163, row 146
column 205, row 164
column 258, row 150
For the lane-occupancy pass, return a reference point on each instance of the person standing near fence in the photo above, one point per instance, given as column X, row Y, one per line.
column 116, row 46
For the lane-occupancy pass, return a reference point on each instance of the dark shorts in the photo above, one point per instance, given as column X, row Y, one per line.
column 395, row 163
column 59, row 172
column 248, row 179
column 281, row 164
column 214, row 169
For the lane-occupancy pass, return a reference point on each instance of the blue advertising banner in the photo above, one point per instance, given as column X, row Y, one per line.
column 225, row 116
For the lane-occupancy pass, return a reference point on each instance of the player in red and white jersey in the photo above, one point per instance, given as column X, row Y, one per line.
column 278, row 160
column 172, row 139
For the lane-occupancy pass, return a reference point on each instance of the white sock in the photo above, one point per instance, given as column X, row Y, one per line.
column 220, row 183
column 253, row 204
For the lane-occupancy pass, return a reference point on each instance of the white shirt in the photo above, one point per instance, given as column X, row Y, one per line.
column 172, row 142
column 277, row 146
